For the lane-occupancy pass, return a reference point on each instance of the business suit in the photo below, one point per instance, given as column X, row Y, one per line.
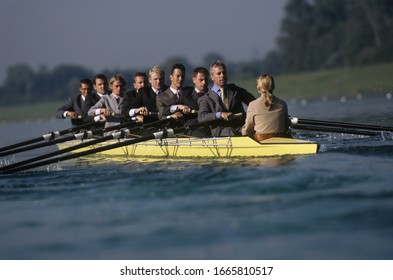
column 190, row 98
column 90, row 101
column 146, row 97
column 128, row 98
column 164, row 101
column 211, row 103
column 112, row 103
column 167, row 98
column 75, row 104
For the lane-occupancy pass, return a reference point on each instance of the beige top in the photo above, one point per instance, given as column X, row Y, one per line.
column 262, row 120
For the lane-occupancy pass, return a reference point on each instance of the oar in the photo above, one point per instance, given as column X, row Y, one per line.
column 335, row 129
column 157, row 135
column 116, row 135
column 49, row 136
column 340, row 124
column 78, row 136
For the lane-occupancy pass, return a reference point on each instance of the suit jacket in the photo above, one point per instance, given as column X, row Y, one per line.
column 261, row 119
column 128, row 98
column 146, row 97
column 113, row 104
column 167, row 98
column 90, row 101
column 190, row 98
column 211, row 103
column 164, row 100
column 75, row 104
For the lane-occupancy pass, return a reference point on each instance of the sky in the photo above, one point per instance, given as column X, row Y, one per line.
column 124, row 34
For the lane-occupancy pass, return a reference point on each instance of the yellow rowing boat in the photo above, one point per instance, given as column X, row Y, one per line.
column 221, row 147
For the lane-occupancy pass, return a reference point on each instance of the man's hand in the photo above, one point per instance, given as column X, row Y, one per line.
column 177, row 116
column 184, row 108
column 106, row 112
column 72, row 115
column 227, row 116
column 142, row 111
column 139, row 118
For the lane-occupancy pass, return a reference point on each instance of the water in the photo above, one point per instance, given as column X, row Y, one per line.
column 337, row 204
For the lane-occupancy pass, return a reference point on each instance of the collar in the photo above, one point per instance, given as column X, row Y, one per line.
column 216, row 88
column 175, row 91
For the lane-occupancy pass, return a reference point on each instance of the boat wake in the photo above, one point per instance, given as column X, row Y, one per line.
column 349, row 143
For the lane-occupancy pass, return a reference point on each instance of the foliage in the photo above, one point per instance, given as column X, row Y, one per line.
column 369, row 79
column 323, row 34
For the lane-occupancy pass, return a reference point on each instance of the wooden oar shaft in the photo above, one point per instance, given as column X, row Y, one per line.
column 341, row 124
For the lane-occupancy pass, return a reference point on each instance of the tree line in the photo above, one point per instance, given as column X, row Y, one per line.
column 314, row 34
column 320, row 34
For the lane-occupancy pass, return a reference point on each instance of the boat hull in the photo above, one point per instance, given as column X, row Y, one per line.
column 222, row 147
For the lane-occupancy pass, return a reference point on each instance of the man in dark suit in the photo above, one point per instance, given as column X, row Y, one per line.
column 73, row 109
column 190, row 97
column 140, row 82
column 222, row 101
column 101, row 88
column 143, row 106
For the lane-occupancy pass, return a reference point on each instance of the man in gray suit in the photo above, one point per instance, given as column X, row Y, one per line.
column 222, row 101
column 168, row 104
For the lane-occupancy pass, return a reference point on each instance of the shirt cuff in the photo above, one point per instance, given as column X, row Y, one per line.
column 173, row 108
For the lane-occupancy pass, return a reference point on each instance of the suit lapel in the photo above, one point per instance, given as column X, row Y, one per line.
column 79, row 103
column 230, row 95
column 213, row 96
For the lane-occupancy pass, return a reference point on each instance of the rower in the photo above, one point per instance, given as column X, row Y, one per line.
column 267, row 116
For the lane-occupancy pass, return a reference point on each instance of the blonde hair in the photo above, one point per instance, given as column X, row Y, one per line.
column 157, row 69
column 265, row 86
column 119, row 78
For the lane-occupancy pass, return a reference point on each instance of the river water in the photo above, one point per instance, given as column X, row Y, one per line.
column 337, row 204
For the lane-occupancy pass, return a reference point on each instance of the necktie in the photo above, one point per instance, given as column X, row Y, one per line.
column 224, row 97
column 200, row 93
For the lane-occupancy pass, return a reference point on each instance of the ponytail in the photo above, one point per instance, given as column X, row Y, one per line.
column 265, row 86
